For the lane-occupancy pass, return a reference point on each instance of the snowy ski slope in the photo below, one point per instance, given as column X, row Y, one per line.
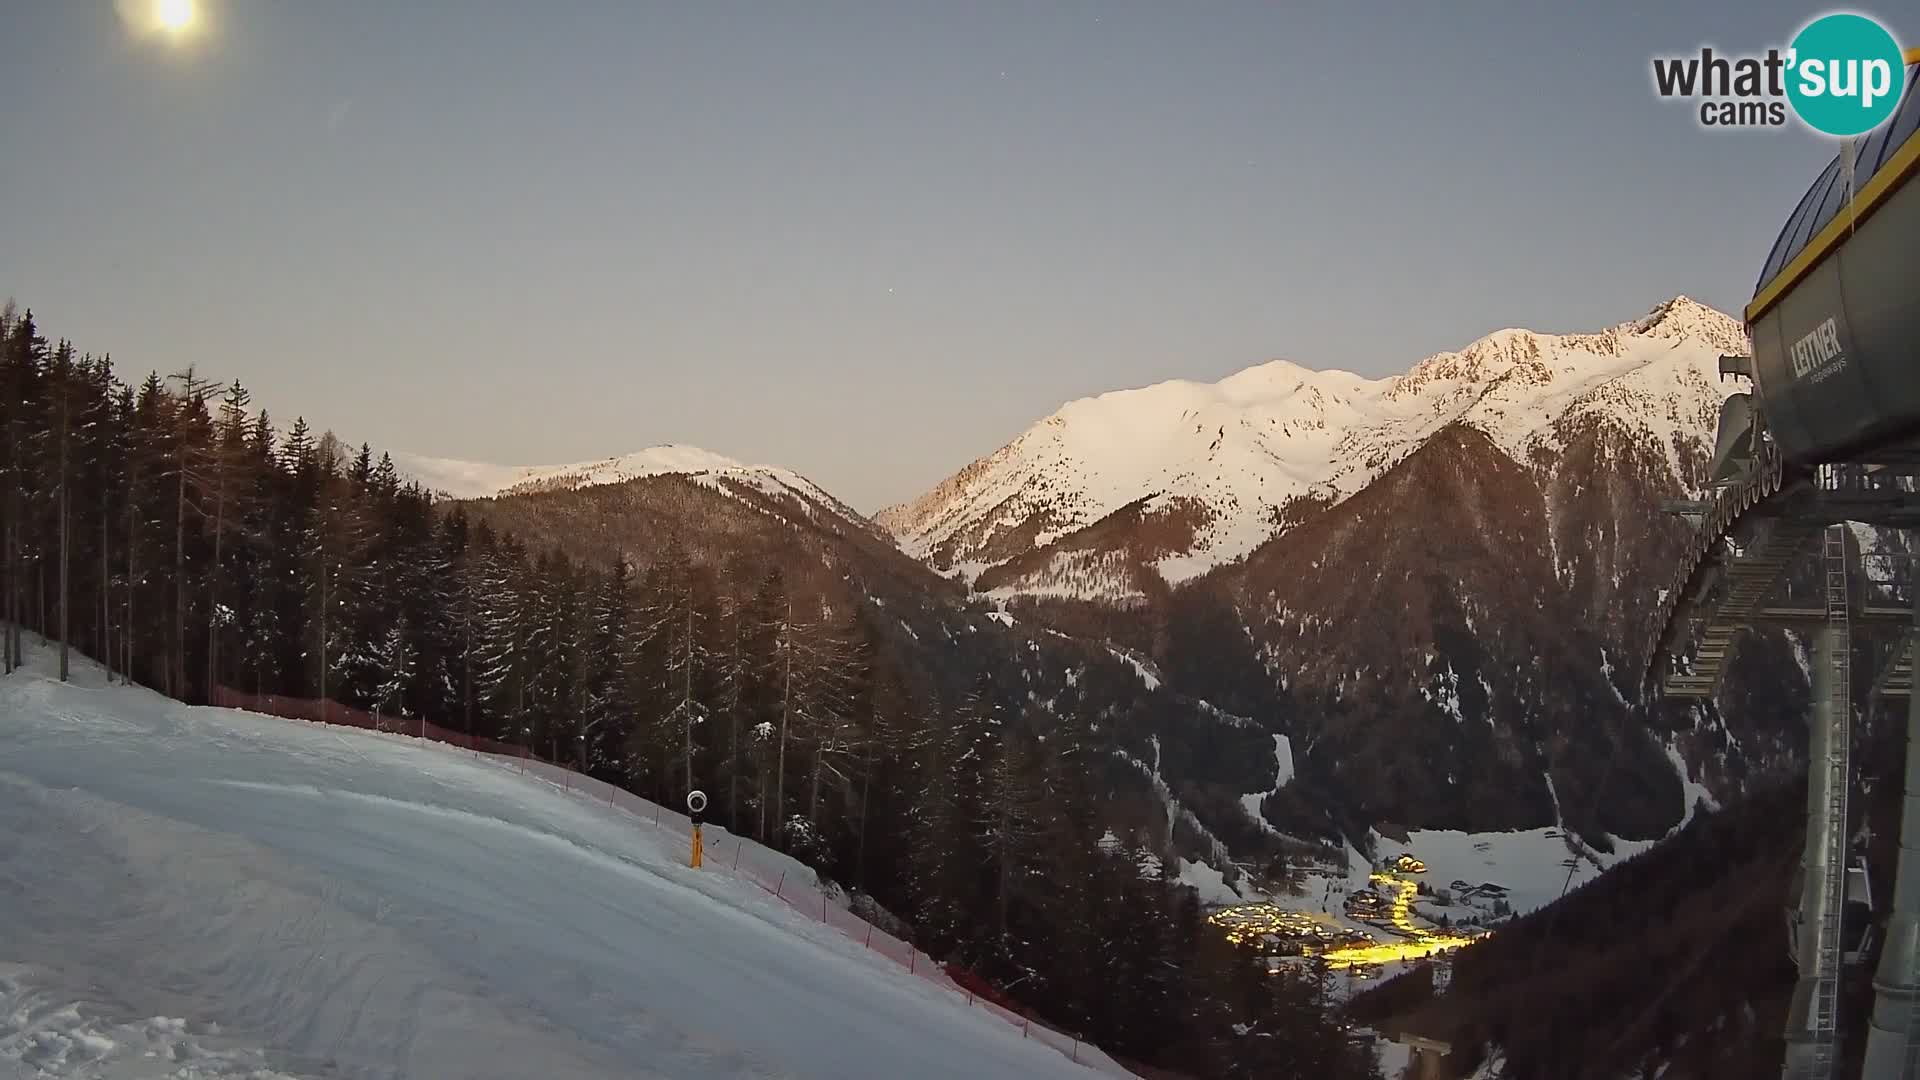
column 190, row 892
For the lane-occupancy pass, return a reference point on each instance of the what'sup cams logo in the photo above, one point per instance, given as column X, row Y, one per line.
column 1842, row 75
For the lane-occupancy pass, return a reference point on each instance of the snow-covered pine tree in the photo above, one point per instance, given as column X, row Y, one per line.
column 22, row 371
column 191, row 439
column 220, row 471
column 1013, row 824
column 333, row 544
column 501, row 668
column 608, row 706
column 396, row 661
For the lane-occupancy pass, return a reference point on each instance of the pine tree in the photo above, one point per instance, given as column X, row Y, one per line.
column 469, row 555
column 1013, row 825
column 396, row 662
column 188, row 446
column 101, row 467
column 334, row 538
column 220, row 470
column 502, row 655
column 21, row 373
column 609, row 700
column 62, row 377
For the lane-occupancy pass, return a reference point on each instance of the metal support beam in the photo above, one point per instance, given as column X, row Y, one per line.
column 1813, row 1021
column 1893, row 1037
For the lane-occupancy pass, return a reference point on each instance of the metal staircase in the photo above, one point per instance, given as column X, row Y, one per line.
column 1749, row 580
column 1826, row 1005
column 1896, row 677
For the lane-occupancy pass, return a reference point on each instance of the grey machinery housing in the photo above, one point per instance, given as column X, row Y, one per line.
column 1835, row 318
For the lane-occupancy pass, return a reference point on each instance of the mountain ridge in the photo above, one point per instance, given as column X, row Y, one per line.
column 1233, row 455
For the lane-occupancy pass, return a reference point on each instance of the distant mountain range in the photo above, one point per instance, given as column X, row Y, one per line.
column 1434, row 584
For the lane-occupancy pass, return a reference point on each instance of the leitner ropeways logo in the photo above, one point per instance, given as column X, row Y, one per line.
column 1842, row 76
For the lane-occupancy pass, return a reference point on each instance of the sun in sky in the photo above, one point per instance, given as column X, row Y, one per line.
column 173, row 15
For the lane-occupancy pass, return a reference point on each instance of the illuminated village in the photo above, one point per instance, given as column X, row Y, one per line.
column 1376, row 925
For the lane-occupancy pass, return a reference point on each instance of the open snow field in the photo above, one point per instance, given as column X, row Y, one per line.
column 192, row 892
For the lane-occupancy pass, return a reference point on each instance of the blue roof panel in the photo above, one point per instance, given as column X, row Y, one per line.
column 1828, row 195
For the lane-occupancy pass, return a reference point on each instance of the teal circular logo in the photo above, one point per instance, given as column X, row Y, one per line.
column 1844, row 74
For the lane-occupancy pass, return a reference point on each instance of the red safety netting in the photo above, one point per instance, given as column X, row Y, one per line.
column 323, row 711
column 780, row 875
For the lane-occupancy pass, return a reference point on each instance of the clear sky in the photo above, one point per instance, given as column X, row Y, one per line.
column 867, row 241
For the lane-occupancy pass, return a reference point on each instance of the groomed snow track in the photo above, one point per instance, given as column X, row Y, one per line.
column 196, row 892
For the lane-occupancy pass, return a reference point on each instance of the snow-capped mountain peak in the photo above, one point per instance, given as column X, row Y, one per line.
column 1684, row 318
column 458, row 479
column 476, row 480
column 1214, row 466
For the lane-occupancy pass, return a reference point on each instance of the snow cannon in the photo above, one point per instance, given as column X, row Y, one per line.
column 696, row 807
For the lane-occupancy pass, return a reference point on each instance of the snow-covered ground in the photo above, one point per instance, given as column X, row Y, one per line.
column 1531, row 864
column 1393, row 1059
column 190, row 892
column 1283, row 772
column 1210, row 883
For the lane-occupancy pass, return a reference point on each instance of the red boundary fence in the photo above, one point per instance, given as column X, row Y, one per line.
column 780, row 875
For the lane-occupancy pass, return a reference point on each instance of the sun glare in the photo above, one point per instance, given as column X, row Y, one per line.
column 173, row 15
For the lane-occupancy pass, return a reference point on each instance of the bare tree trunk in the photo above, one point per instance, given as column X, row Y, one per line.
column 10, row 633
column 813, row 785
column 177, row 674
column 106, row 591
column 763, row 798
column 213, row 576
column 860, row 849
column 6, row 616
column 127, row 635
column 324, row 576
column 66, row 547
column 65, row 621
column 19, row 595
column 1005, row 814
column 466, row 651
column 733, row 753
column 6, row 564
column 686, row 693
column 786, row 708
